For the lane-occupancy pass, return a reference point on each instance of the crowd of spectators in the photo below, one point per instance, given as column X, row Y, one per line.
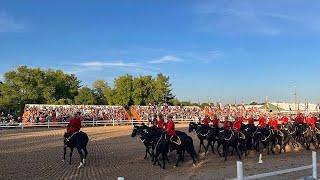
column 8, row 119
column 61, row 113
column 178, row 112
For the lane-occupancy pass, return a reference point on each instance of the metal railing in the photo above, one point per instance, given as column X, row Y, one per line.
column 92, row 123
column 240, row 175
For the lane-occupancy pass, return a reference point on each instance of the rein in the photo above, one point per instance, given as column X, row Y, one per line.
column 267, row 137
column 69, row 138
column 231, row 135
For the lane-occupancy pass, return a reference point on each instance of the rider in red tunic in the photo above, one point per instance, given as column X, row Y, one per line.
column 250, row 121
column 170, row 130
column 237, row 124
column 160, row 122
column 284, row 120
column 227, row 124
column 299, row 119
column 311, row 121
column 74, row 124
column 262, row 122
column 215, row 121
column 273, row 123
column 206, row 120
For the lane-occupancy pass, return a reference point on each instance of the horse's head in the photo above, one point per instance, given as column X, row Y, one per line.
column 192, row 126
column 135, row 130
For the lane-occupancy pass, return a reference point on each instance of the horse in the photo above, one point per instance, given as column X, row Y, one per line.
column 202, row 132
column 266, row 137
column 146, row 140
column 77, row 140
column 248, row 131
column 151, row 138
column 310, row 137
column 289, row 133
column 213, row 137
column 229, row 138
column 181, row 143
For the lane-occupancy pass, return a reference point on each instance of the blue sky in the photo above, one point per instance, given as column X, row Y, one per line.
column 235, row 50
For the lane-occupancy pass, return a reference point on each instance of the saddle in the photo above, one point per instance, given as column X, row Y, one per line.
column 241, row 135
column 176, row 140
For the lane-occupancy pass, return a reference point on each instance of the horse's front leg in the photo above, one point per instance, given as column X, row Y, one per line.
column 164, row 160
column 179, row 153
column 238, row 152
column 81, row 157
column 64, row 153
column 219, row 144
column 147, row 151
column 212, row 146
column 225, row 152
column 70, row 157
column 200, row 145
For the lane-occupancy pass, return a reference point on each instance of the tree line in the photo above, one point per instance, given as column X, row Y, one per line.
column 27, row 85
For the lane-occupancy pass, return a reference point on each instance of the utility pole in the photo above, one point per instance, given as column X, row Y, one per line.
column 295, row 98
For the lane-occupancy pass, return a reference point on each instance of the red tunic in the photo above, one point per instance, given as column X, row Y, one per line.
column 250, row 121
column 237, row 124
column 215, row 122
column 299, row 119
column 74, row 125
column 206, row 121
column 227, row 125
column 262, row 122
column 284, row 120
column 160, row 123
column 273, row 123
column 170, row 128
column 311, row 121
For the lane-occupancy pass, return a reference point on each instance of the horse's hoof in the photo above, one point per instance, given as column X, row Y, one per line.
column 194, row 165
column 81, row 164
column 174, row 166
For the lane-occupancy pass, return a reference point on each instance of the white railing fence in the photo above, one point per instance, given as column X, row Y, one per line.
column 113, row 122
column 274, row 173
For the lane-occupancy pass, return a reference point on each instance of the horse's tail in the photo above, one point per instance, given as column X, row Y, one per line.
column 190, row 147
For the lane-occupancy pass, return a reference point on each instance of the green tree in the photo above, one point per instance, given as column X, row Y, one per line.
column 85, row 96
column 100, row 87
column 162, row 89
column 123, row 88
column 143, row 90
column 33, row 85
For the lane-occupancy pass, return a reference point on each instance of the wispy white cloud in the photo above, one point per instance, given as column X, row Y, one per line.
column 205, row 57
column 256, row 17
column 9, row 24
column 166, row 59
column 102, row 64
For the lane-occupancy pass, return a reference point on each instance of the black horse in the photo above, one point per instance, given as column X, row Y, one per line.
column 266, row 137
column 77, row 140
column 148, row 141
column 151, row 138
column 202, row 132
column 213, row 137
column 181, row 143
column 229, row 138
column 248, row 131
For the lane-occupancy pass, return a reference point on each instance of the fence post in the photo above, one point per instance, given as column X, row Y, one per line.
column 314, row 165
column 93, row 122
column 112, row 122
column 22, row 125
column 239, row 170
column 48, row 124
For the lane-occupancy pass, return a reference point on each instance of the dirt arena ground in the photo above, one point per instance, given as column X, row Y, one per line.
column 37, row 154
